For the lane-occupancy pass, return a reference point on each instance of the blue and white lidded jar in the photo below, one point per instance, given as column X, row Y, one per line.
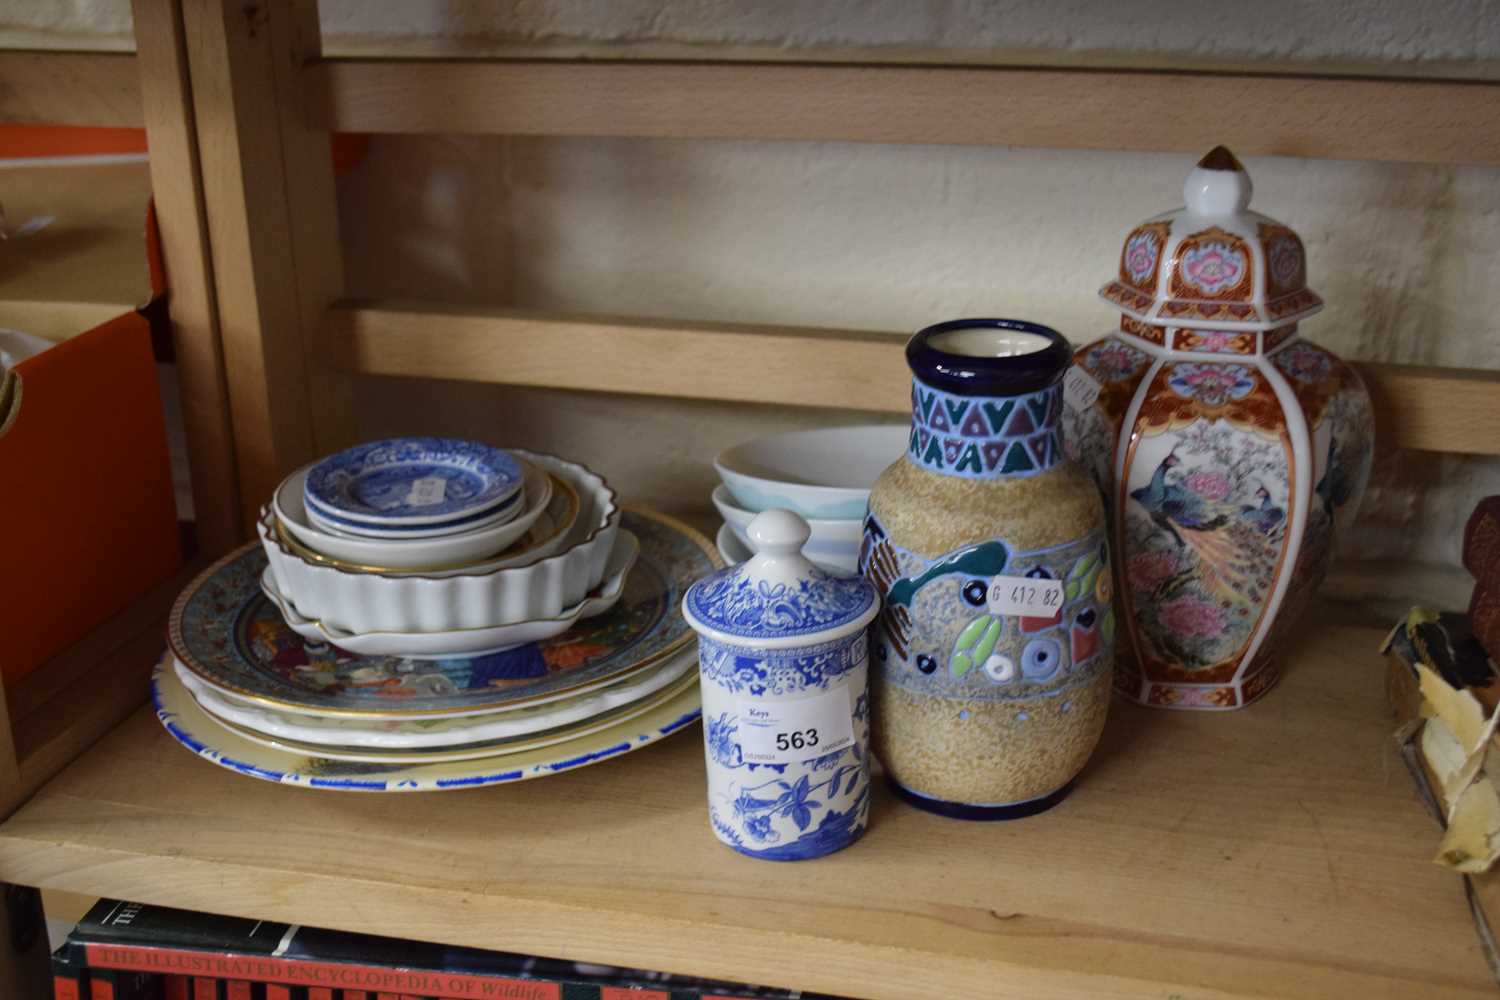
column 784, row 662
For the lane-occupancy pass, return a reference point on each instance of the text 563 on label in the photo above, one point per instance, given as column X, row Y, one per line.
column 786, row 732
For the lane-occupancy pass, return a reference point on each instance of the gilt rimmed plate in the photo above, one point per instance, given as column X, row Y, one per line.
column 190, row 725
column 478, row 750
column 415, row 735
column 229, row 634
column 407, row 481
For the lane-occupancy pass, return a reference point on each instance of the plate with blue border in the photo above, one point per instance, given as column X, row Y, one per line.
column 190, row 726
column 411, row 481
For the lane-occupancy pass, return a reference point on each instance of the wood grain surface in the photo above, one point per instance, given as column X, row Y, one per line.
column 1423, row 121
column 1276, row 852
column 1426, row 409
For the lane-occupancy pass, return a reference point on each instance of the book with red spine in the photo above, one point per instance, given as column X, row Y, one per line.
column 207, row 988
column 118, row 984
column 176, row 988
column 280, row 991
column 70, row 977
column 337, row 965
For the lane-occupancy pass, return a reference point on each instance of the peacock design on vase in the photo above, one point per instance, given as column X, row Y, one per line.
column 1228, row 449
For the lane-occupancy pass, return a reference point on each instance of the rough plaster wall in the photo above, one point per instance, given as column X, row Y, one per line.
column 1450, row 36
column 1389, row 30
column 892, row 238
column 883, row 237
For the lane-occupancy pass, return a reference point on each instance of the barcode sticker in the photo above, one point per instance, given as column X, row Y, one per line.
column 786, row 732
column 1024, row 595
column 1079, row 389
column 427, row 491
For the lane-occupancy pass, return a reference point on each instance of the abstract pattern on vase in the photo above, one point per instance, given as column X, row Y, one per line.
column 974, row 437
column 1149, row 332
column 1140, row 259
column 1272, row 339
column 1213, row 341
column 1286, row 261
column 1204, row 518
column 1212, row 265
column 936, row 635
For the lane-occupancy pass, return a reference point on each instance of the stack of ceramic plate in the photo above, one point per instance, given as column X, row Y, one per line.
column 256, row 686
column 824, row 475
column 553, row 557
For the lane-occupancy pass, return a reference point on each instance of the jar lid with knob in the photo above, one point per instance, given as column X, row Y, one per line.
column 778, row 599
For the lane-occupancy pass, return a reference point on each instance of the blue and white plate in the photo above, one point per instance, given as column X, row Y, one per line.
column 414, row 482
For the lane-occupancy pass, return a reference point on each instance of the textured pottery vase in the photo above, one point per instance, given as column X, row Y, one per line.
column 783, row 657
column 1228, row 448
column 982, row 712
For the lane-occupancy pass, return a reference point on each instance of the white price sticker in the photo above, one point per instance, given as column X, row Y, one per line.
column 786, row 732
column 1079, row 388
column 1024, row 595
column 427, row 491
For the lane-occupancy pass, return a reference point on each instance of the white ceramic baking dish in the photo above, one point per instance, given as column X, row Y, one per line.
column 356, row 601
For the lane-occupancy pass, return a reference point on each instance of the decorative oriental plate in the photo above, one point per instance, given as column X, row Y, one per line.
column 228, row 634
column 193, row 728
column 428, row 733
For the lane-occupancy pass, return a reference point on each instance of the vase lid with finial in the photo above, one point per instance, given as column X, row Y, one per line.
column 1213, row 263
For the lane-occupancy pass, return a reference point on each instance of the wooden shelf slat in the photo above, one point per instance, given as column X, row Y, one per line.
column 1425, row 409
column 1429, row 121
column 80, row 694
column 70, row 88
column 1277, row 852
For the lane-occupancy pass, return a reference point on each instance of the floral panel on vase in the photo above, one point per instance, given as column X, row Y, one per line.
column 1230, row 451
column 1203, row 514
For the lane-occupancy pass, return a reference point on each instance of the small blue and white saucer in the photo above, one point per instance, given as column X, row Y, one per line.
column 414, row 482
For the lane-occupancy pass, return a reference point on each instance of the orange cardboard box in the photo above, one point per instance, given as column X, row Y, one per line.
column 87, row 517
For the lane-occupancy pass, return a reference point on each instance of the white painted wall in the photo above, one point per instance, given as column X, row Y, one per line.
column 884, row 237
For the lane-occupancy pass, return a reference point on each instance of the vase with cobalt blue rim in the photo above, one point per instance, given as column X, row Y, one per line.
column 783, row 658
column 992, row 654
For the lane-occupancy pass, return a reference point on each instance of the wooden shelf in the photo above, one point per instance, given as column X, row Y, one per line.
column 1420, row 408
column 1277, row 852
column 1424, row 121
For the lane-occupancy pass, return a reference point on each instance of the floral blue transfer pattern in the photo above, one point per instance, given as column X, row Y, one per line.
column 736, row 605
column 794, row 811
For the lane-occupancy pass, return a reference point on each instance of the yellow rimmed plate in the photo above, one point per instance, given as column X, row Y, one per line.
column 191, row 726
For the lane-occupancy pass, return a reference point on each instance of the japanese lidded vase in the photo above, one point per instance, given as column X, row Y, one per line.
column 992, row 652
column 1228, row 448
column 783, row 660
